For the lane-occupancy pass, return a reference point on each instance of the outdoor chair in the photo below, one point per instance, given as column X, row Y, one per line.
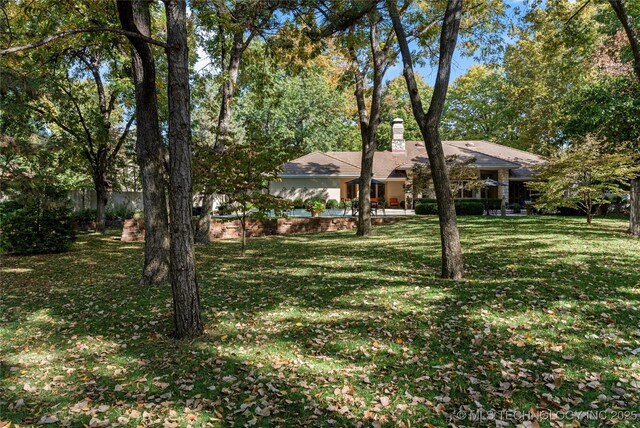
column 374, row 206
column 393, row 203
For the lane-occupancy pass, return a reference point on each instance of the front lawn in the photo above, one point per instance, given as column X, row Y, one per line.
column 330, row 329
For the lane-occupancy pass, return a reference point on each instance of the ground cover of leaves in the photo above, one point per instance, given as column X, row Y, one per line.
column 333, row 330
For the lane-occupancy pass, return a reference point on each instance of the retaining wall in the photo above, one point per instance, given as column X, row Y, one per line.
column 133, row 231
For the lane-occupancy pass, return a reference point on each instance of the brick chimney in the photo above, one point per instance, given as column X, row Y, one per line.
column 397, row 136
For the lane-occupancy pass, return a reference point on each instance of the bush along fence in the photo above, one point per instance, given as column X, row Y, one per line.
column 133, row 230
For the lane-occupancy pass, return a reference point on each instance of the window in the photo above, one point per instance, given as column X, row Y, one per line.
column 377, row 191
column 352, row 191
column 463, row 189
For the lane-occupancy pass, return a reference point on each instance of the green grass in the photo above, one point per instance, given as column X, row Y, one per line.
column 330, row 329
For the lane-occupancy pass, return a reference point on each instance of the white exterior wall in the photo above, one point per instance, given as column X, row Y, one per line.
column 316, row 187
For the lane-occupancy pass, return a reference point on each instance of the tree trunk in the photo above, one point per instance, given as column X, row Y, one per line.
column 150, row 151
column 368, row 123
column 102, row 197
column 186, row 299
column 632, row 34
column 364, row 198
column 203, row 224
column 243, row 245
column 228, row 89
column 452, row 265
column 634, row 216
column 589, row 208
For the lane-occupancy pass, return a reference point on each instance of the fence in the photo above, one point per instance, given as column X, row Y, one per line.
column 86, row 199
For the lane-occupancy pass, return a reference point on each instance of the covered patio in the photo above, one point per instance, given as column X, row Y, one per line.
column 391, row 191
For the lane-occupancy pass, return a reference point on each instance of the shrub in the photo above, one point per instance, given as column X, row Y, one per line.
column 333, row 204
column 426, row 201
column 298, row 203
column 84, row 216
column 463, row 207
column 120, row 212
column 36, row 228
column 469, row 208
column 426, row 208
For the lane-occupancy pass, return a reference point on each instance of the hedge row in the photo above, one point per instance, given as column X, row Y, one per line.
column 463, row 207
column 492, row 203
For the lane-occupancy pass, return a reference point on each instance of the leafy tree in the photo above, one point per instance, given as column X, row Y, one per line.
column 181, row 252
column 365, row 39
column 242, row 173
column 631, row 27
column 477, row 107
column 429, row 122
column 551, row 57
column 304, row 106
column 80, row 95
column 234, row 24
column 397, row 104
column 608, row 108
column 582, row 176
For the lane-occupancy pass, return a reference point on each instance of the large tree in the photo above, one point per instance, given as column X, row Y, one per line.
column 429, row 122
column 369, row 65
column 477, row 107
column 366, row 40
column 151, row 152
column 73, row 100
column 235, row 23
column 181, row 252
column 184, row 285
column 631, row 30
column 550, row 58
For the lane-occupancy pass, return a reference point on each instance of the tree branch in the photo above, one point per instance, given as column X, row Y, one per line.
column 629, row 27
column 122, row 138
column 54, row 120
column 577, row 12
column 82, row 122
column 66, row 33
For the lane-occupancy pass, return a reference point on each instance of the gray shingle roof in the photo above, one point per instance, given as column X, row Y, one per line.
column 387, row 164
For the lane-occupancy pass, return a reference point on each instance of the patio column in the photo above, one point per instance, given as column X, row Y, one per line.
column 503, row 191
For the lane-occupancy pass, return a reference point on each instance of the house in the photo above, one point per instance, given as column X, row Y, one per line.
column 327, row 175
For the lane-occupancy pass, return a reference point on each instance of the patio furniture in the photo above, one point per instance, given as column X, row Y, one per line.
column 393, row 203
column 355, row 206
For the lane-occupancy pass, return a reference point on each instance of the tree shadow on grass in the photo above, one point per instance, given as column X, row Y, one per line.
column 309, row 317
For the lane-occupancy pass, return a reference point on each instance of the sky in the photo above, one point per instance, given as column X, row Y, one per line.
column 460, row 64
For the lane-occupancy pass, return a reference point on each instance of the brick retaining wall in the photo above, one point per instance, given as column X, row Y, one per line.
column 132, row 231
